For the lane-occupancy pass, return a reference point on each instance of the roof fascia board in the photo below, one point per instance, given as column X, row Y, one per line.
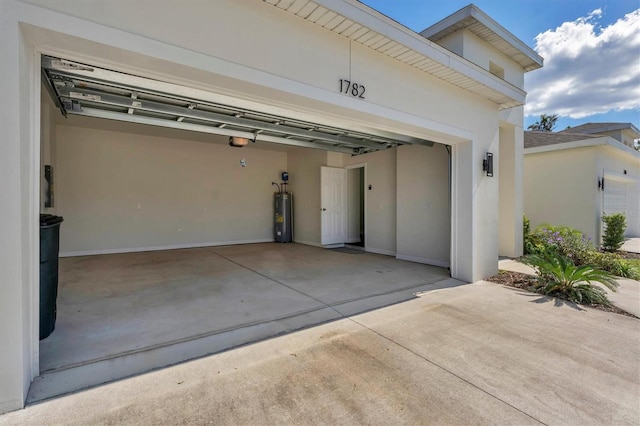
column 391, row 29
column 622, row 147
column 474, row 12
column 584, row 143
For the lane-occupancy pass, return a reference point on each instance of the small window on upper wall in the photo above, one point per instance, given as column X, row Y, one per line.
column 496, row 70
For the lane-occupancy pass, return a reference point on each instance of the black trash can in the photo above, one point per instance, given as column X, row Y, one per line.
column 49, row 248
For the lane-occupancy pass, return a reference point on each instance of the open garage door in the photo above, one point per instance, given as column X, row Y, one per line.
column 132, row 194
column 97, row 92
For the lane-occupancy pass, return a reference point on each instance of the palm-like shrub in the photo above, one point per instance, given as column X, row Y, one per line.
column 559, row 276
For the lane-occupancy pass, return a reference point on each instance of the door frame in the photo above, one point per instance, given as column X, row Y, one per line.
column 364, row 190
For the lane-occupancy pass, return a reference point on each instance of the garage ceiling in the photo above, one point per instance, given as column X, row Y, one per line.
column 97, row 92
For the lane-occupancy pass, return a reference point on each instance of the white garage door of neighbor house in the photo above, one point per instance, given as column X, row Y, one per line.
column 615, row 197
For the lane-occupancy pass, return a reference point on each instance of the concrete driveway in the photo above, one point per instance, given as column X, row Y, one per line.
column 480, row 353
column 632, row 245
column 124, row 314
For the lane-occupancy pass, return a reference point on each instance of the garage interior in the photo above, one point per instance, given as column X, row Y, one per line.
column 167, row 246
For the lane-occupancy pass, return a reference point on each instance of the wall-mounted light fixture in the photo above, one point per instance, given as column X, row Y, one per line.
column 601, row 184
column 487, row 164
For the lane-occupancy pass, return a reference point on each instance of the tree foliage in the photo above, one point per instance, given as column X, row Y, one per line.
column 546, row 124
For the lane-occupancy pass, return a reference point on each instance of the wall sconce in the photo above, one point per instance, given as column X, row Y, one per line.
column 487, row 164
column 601, row 184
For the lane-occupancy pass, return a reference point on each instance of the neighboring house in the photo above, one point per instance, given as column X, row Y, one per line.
column 153, row 91
column 625, row 133
column 572, row 177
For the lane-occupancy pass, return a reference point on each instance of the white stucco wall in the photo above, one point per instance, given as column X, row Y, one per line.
column 561, row 187
column 509, row 174
column 454, row 42
column 354, row 187
column 471, row 47
column 120, row 191
column 263, row 65
column 19, row 169
column 303, row 166
column 423, row 220
column 480, row 53
column 380, row 233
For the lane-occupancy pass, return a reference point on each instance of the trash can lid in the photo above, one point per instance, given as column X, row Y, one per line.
column 49, row 220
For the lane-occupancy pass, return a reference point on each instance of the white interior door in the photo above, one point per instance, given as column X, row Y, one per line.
column 333, row 205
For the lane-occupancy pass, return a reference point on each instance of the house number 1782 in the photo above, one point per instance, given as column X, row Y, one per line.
column 352, row 89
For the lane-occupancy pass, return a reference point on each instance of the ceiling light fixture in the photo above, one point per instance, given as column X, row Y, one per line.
column 238, row 142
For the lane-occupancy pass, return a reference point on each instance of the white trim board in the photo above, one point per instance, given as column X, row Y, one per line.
column 619, row 177
column 308, row 243
column 583, row 143
column 424, row 260
column 159, row 248
column 380, row 251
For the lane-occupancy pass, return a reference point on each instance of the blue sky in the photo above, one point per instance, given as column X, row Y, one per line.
column 570, row 25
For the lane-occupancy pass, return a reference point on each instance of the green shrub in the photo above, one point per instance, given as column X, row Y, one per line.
column 526, row 235
column 559, row 276
column 561, row 239
column 576, row 246
column 614, row 264
column 615, row 225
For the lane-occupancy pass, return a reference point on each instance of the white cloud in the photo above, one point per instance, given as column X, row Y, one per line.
column 587, row 69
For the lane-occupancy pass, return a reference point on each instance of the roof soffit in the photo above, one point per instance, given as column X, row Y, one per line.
column 370, row 28
column 472, row 19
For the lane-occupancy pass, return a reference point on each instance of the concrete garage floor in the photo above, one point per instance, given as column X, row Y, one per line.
column 133, row 312
column 474, row 354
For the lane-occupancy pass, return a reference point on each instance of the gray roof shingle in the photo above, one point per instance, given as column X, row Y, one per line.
column 591, row 128
column 536, row 139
